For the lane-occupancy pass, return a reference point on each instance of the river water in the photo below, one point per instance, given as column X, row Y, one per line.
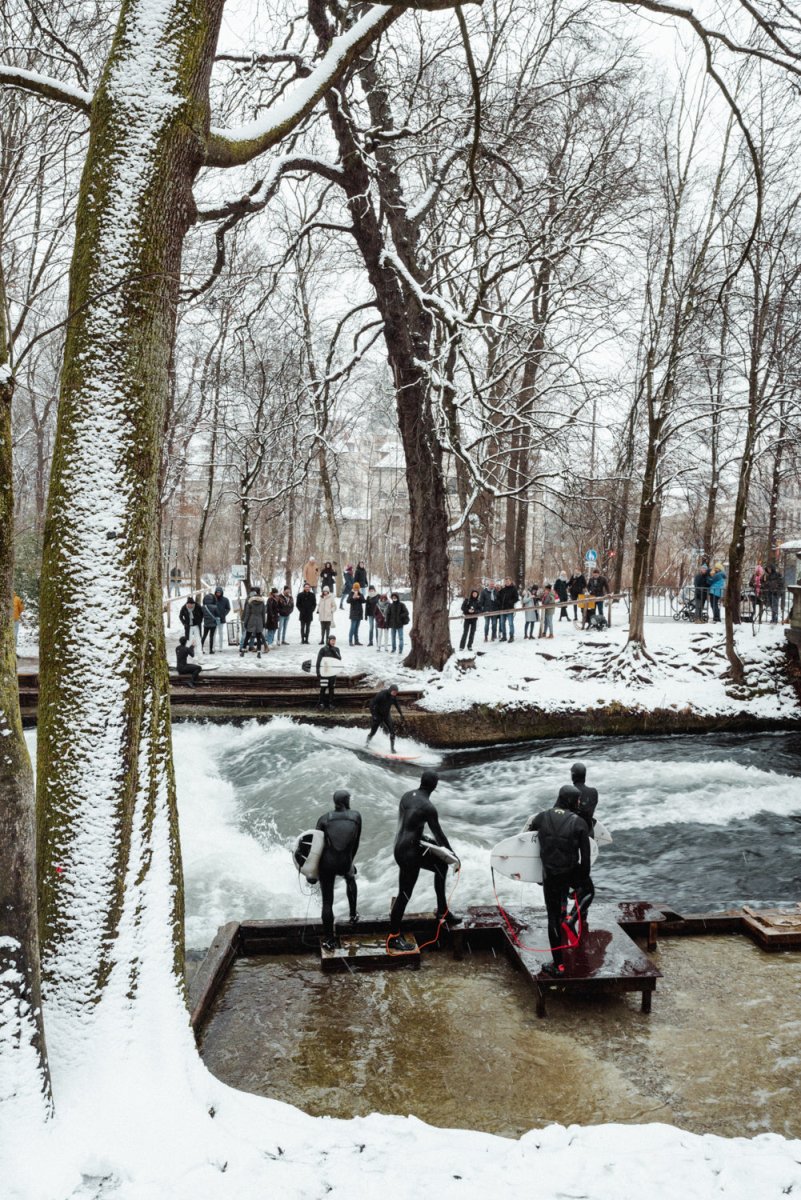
column 699, row 822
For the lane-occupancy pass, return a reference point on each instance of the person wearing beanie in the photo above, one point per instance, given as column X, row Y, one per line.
column 191, row 617
column 223, row 609
column 565, row 853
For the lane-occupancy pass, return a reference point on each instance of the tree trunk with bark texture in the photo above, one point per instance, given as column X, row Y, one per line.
column 407, row 334
column 25, row 1088
column 110, row 871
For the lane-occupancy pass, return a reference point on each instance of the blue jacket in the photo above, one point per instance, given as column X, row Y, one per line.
column 717, row 582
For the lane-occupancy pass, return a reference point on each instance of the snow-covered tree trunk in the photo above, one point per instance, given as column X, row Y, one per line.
column 111, row 902
column 24, row 1077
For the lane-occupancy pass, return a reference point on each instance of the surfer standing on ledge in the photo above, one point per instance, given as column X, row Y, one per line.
column 414, row 813
column 565, row 853
column 342, row 830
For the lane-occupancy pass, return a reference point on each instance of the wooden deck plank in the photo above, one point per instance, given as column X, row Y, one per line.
column 367, row 953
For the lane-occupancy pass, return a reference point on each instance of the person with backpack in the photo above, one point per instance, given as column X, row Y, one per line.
column 210, row 621
column 285, row 607
column 397, row 618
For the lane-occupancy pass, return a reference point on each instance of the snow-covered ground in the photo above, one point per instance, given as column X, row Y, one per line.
column 574, row 670
column 144, row 1120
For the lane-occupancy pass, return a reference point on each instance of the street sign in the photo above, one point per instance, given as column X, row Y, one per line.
column 239, row 572
column 591, row 556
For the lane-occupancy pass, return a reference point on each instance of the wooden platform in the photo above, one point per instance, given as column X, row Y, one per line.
column 773, row 928
column 606, row 960
column 366, row 952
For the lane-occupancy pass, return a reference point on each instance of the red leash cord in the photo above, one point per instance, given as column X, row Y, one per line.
column 569, row 945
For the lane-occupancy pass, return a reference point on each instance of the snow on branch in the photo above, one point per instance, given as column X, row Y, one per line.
column 46, row 86
column 234, row 147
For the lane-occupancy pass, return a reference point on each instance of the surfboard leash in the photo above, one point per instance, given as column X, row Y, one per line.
column 568, row 945
column 440, row 923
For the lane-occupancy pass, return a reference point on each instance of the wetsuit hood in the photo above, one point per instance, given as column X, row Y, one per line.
column 428, row 781
column 568, row 798
column 578, row 771
column 341, row 800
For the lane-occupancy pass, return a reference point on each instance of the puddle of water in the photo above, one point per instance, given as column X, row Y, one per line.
column 458, row 1044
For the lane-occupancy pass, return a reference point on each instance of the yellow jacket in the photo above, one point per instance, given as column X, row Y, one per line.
column 19, row 607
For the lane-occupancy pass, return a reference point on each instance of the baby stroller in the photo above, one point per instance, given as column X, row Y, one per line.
column 684, row 606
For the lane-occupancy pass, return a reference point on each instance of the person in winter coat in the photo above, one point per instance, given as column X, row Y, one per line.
column 489, row 604
column 347, row 584
column 530, row 607
column 381, row 631
column 360, row 575
column 273, row 615
column 397, row 618
column 576, row 586
column 356, row 606
column 210, row 619
column 328, row 577
column 254, row 617
column 223, row 609
column 717, row 582
column 701, row 585
column 327, row 682
column 471, row 607
column 191, row 617
column 183, row 653
column 773, row 587
column 325, row 614
column 508, row 597
column 306, row 602
column 561, row 590
column 285, row 606
column 598, row 586
column 369, row 612
column 18, row 610
column 311, row 572
column 756, row 584
column 547, row 607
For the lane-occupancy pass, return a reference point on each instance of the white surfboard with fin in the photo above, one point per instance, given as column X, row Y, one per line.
column 518, row 856
column 330, row 666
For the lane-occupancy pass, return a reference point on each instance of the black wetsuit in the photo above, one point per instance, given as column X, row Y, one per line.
column 380, row 711
column 565, row 853
column 415, row 812
column 183, row 654
column 342, row 829
column 588, row 800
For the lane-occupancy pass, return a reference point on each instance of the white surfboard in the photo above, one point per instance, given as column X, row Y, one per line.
column 447, row 856
column 518, row 857
column 602, row 835
column 331, row 666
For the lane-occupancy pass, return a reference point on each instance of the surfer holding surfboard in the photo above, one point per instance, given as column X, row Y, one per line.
column 564, row 844
column 329, row 665
column 414, row 853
